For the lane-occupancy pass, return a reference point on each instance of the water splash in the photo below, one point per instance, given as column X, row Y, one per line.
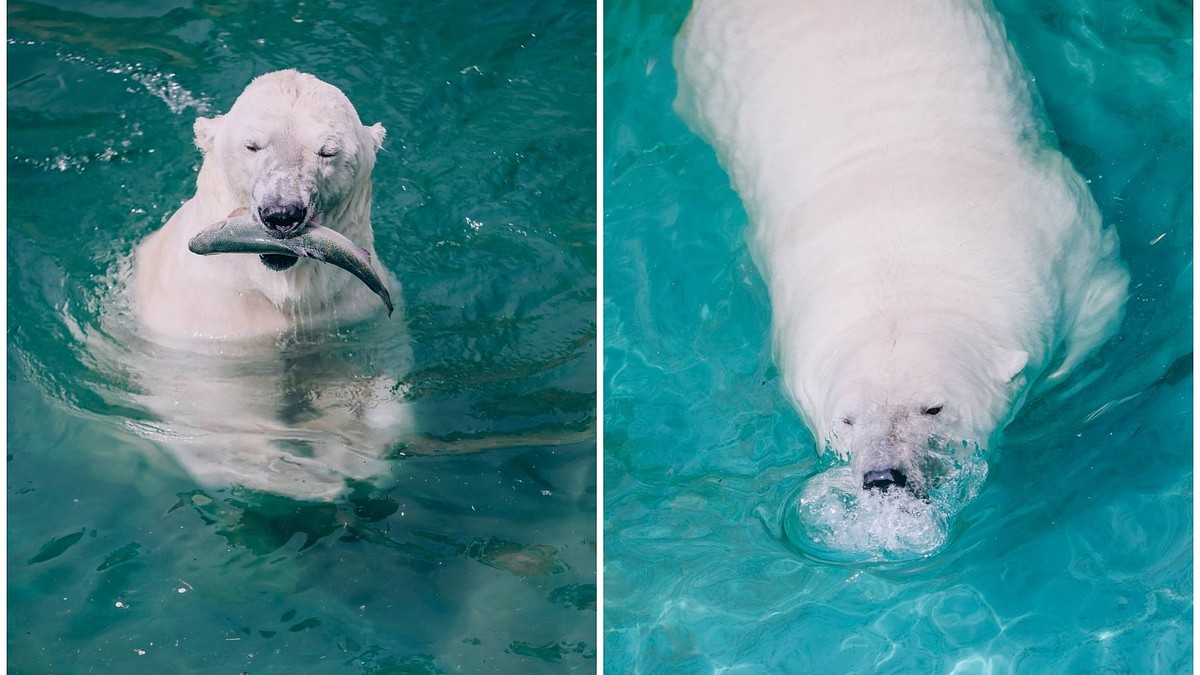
column 163, row 86
column 833, row 519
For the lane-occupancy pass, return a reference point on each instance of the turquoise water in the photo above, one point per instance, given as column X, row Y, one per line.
column 1077, row 554
column 475, row 551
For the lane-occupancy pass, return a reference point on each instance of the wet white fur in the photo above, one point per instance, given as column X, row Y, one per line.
column 290, row 116
column 923, row 241
column 214, row 371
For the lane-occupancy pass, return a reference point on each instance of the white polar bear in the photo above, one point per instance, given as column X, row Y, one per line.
column 293, row 150
column 930, row 255
column 236, row 402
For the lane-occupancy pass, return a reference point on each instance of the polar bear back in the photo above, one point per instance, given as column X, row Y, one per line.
column 897, row 172
column 793, row 95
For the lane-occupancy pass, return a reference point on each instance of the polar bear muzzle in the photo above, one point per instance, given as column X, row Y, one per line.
column 283, row 219
column 882, row 479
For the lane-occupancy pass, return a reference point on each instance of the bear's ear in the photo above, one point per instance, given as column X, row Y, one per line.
column 1010, row 364
column 206, row 132
column 376, row 132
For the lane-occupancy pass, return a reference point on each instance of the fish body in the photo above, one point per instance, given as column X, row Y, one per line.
column 239, row 233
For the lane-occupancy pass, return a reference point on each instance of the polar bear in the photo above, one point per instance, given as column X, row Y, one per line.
column 236, row 395
column 292, row 150
column 930, row 255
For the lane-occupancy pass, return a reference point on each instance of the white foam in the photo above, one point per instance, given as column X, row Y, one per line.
column 834, row 519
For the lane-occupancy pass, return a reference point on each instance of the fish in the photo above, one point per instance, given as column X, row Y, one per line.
column 239, row 233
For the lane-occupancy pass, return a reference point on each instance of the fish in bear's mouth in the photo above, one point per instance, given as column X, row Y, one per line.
column 285, row 225
column 242, row 233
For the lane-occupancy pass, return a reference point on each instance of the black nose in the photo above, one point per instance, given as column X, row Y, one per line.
column 884, row 479
column 283, row 220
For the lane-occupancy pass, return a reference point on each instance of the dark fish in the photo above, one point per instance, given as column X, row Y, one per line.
column 240, row 234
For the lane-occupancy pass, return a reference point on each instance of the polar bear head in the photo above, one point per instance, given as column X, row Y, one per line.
column 293, row 150
column 900, row 408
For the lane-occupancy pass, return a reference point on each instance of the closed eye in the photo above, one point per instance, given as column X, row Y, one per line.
column 847, row 421
column 253, row 147
column 328, row 152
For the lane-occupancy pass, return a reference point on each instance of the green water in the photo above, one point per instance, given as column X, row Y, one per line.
column 476, row 551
